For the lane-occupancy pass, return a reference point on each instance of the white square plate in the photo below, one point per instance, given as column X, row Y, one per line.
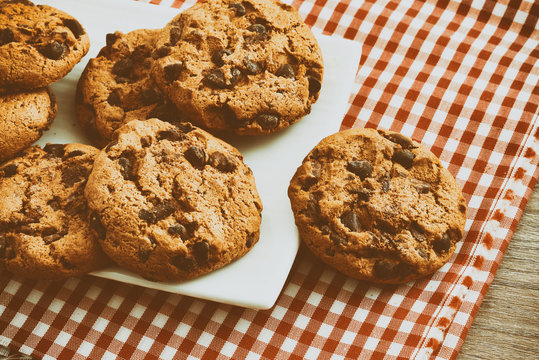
column 255, row 280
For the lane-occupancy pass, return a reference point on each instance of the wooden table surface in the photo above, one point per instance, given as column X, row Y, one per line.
column 507, row 324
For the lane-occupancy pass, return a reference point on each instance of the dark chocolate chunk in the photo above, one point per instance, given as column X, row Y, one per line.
column 361, row 168
column 196, row 156
column 74, row 154
column 252, row 67
column 403, row 157
column 400, row 139
column 171, row 135
column 286, row 71
column 175, row 34
column 75, row 27
column 249, row 240
column 217, row 57
column 350, row 220
column 173, row 71
column 49, row 239
column 147, row 215
column 178, row 229
column 54, row 51
column 161, row 52
column 110, row 39
column 114, row 99
column 9, row 170
column 314, row 86
column 383, row 269
column 363, row 195
column 386, row 185
column 221, row 162
column 6, row 36
column 74, row 174
column 55, row 150
column 164, row 210
column 258, row 28
column 235, row 76
column 267, row 121
column 183, row 263
column 201, row 251
column 126, row 167
column 385, row 227
column 238, row 8
column 185, row 127
column 442, row 244
column 97, row 225
column 123, row 68
column 150, row 96
column 215, row 78
column 144, row 254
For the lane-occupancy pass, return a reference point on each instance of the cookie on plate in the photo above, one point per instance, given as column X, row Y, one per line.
column 44, row 228
column 38, row 45
column 172, row 202
column 23, row 118
column 377, row 206
column 116, row 87
column 251, row 67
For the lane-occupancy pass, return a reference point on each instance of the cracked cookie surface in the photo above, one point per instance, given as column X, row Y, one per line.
column 250, row 67
column 23, row 118
column 377, row 206
column 116, row 86
column 38, row 45
column 44, row 229
column 172, row 202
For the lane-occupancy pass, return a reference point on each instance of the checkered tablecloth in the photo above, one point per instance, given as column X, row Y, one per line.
column 461, row 78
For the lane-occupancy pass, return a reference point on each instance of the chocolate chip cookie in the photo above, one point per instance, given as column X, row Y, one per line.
column 44, row 228
column 172, row 202
column 250, row 67
column 377, row 206
column 23, row 118
column 38, row 45
column 116, row 86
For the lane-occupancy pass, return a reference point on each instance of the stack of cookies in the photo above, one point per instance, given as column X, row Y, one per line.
column 38, row 45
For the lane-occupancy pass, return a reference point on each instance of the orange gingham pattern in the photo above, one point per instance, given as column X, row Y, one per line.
column 462, row 78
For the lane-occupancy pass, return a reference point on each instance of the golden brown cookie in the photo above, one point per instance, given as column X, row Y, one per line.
column 251, row 67
column 116, row 86
column 38, row 45
column 44, row 229
column 172, row 202
column 377, row 206
column 23, row 118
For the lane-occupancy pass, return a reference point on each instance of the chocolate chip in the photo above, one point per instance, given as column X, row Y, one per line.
column 75, row 27
column 6, row 36
column 125, row 167
column 183, row 263
column 383, row 269
column 350, row 220
column 161, row 52
column 110, row 39
column 74, row 174
column 178, row 229
column 286, row 71
column 221, row 162
column 54, row 51
column 55, row 150
column 249, row 240
column 144, row 254
column 267, row 121
column 235, row 76
column 363, row 195
column 185, row 127
column 337, row 239
column 9, row 170
column 49, row 239
column 164, row 210
column 238, row 8
column 314, row 86
column 252, row 67
column 258, row 28
column 442, row 244
column 386, row 185
column 403, row 157
column 417, row 231
column 173, row 71
column 215, row 78
column 147, row 215
column 400, row 139
column 309, row 181
column 385, row 227
column 361, row 168
column 74, row 154
column 196, row 156
column 97, row 225
column 201, row 251
column 123, row 67
column 150, row 96
column 217, row 57
column 175, row 34
column 114, row 99
column 171, row 135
